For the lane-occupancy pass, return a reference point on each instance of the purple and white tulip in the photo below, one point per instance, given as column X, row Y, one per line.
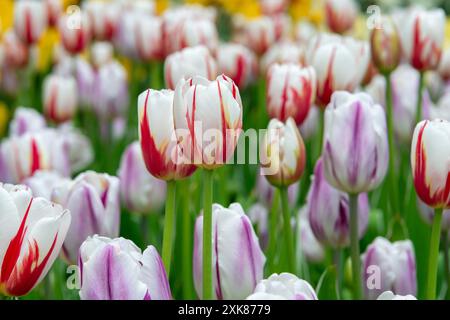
column 307, row 244
column 26, row 120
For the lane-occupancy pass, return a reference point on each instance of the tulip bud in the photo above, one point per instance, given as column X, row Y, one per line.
column 340, row 15
column 282, row 153
column 54, row 9
column 33, row 231
column 148, row 37
column 194, row 32
column 427, row 213
column 355, row 148
column 187, row 63
column 30, row 20
column 115, row 269
column 265, row 191
column 110, row 92
column 385, row 46
column 75, row 38
column 361, row 54
column 26, row 120
column 422, row 37
column 42, row 183
column 389, row 266
column 388, row 295
column 283, row 286
column 104, row 16
column 336, row 70
column 157, row 136
column 208, row 118
column 259, row 34
column 430, row 162
column 307, row 244
column 328, row 211
column 22, row 156
column 140, row 191
column 290, row 91
column 102, row 53
column 93, row 200
column 282, row 53
column 60, row 98
column 235, row 249
column 16, row 53
column 237, row 62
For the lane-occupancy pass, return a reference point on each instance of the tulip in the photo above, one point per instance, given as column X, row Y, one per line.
column 104, row 16
column 42, row 183
column 195, row 32
column 444, row 65
column 236, row 247
column 385, row 46
column 308, row 245
column 75, row 34
column 85, row 75
column 16, row 53
column 54, row 9
column 430, row 162
column 271, row 7
column 143, row 6
column 290, row 91
column 102, row 53
column 389, row 295
column 304, row 31
column 283, row 286
column 309, row 127
column 30, row 20
column 148, row 37
column 159, row 150
column 93, row 200
column 110, row 92
column 328, row 211
column 389, row 266
column 355, row 129
column 282, row 154
column 140, row 191
column 21, row 156
column 237, row 62
column 33, row 231
column 26, row 120
column 60, row 98
column 340, row 15
column 187, row 63
column 259, row 34
column 215, row 107
column 336, row 70
column 282, row 53
column 362, row 56
column 115, row 269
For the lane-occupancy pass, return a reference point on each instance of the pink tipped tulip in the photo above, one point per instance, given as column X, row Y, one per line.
column 54, row 10
column 26, row 120
column 60, row 98
column 237, row 62
column 16, row 53
column 32, row 233
column 75, row 34
column 115, row 269
column 30, row 20
column 104, row 16
column 340, row 15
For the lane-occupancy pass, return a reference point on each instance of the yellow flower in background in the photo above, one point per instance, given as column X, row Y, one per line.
column 67, row 3
column 307, row 9
column 48, row 40
column 360, row 30
column 161, row 6
column 447, row 33
column 6, row 15
column 4, row 118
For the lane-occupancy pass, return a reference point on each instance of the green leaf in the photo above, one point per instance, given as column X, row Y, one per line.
column 326, row 288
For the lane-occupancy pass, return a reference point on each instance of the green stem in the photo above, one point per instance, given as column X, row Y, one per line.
column 354, row 240
column 419, row 98
column 271, row 248
column 390, row 123
column 446, row 263
column 169, row 221
column 337, row 257
column 288, row 230
column 155, row 71
column 187, row 240
column 434, row 254
column 144, row 229
column 207, row 234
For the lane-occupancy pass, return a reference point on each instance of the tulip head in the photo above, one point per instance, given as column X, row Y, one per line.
column 26, row 120
column 282, row 153
column 290, row 92
column 140, row 191
column 75, row 35
column 259, row 34
column 115, row 269
column 422, row 37
column 340, row 15
column 391, row 265
column 16, row 53
column 60, row 98
column 148, row 37
column 104, row 16
column 283, row 53
column 208, row 120
column 93, row 200
column 42, row 183
column 157, row 136
column 385, row 46
column 307, row 244
column 355, row 146
column 237, row 62
column 430, row 162
column 283, row 286
column 30, row 20
column 187, row 63
column 33, row 231
column 54, row 10
column 238, row 261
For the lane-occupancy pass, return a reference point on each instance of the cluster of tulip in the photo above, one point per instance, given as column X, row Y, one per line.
column 128, row 134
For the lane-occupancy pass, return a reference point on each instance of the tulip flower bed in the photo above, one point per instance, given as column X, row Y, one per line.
column 223, row 150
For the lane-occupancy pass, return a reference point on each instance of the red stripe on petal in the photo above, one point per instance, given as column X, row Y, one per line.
column 35, row 158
